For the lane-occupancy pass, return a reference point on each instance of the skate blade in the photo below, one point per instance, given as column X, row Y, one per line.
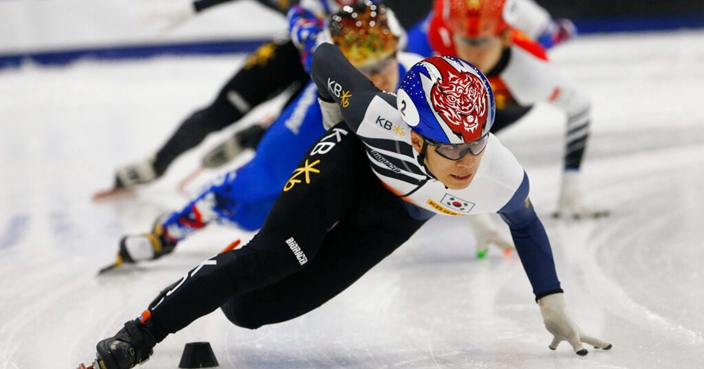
column 109, row 268
column 113, row 193
column 118, row 263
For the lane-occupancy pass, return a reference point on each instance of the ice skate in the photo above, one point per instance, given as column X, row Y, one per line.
column 131, row 346
column 245, row 139
column 215, row 158
column 223, row 153
column 146, row 246
column 129, row 177
column 571, row 204
column 226, row 151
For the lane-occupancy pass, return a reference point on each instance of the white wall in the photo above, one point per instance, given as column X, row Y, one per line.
column 28, row 26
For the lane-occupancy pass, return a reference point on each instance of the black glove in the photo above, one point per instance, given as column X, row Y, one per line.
column 131, row 346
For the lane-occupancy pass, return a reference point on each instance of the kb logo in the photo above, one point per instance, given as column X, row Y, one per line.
column 336, row 89
column 384, row 123
column 307, row 169
column 324, row 146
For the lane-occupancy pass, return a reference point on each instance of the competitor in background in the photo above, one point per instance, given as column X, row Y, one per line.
column 272, row 69
column 525, row 15
column 521, row 76
column 269, row 71
column 360, row 192
column 245, row 197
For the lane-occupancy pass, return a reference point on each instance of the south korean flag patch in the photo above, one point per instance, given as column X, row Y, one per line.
column 457, row 204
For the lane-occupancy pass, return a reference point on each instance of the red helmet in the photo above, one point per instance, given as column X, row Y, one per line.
column 474, row 18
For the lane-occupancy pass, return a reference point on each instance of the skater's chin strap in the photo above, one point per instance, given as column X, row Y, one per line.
column 421, row 160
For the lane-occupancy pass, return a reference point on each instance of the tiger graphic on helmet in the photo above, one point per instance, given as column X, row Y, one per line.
column 459, row 98
column 449, row 100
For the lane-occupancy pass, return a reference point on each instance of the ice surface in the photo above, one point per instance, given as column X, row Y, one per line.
column 633, row 279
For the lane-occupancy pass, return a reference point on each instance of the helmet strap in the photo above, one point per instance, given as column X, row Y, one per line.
column 422, row 155
column 423, row 151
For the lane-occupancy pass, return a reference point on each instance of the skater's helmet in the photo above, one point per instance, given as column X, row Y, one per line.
column 449, row 102
column 362, row 32
column 474, row 18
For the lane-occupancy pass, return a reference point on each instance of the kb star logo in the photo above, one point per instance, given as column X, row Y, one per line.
column 306, row 170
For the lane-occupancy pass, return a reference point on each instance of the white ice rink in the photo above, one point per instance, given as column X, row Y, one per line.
column 634, row 279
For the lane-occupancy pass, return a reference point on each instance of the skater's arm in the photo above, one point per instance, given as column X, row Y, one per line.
column 528, row 16
column 340, row 81
column 531, row 242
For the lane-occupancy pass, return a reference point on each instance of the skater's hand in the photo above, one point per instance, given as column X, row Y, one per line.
column 487, row 233
column 557, row 32
column 165, row 15
column 563, row 328
column 304, row 28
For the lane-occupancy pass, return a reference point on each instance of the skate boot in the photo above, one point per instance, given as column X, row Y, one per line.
column 245, row 139
column 129, row 177
column 146, row 246
column 571, row 204
column 135, row 174
column 131, row 346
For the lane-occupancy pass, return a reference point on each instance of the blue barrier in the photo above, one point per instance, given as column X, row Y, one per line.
column 639, row 24
column 63, row 57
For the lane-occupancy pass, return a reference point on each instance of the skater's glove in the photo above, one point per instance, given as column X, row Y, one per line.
column 165, row 15
column 304, row 28
column 563, row 328
column 487, row 233
column 557, row 32
column 131, row 346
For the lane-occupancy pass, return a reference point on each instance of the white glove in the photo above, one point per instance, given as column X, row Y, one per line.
column 487, row 233
column 563, row 328
column 165, row 15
